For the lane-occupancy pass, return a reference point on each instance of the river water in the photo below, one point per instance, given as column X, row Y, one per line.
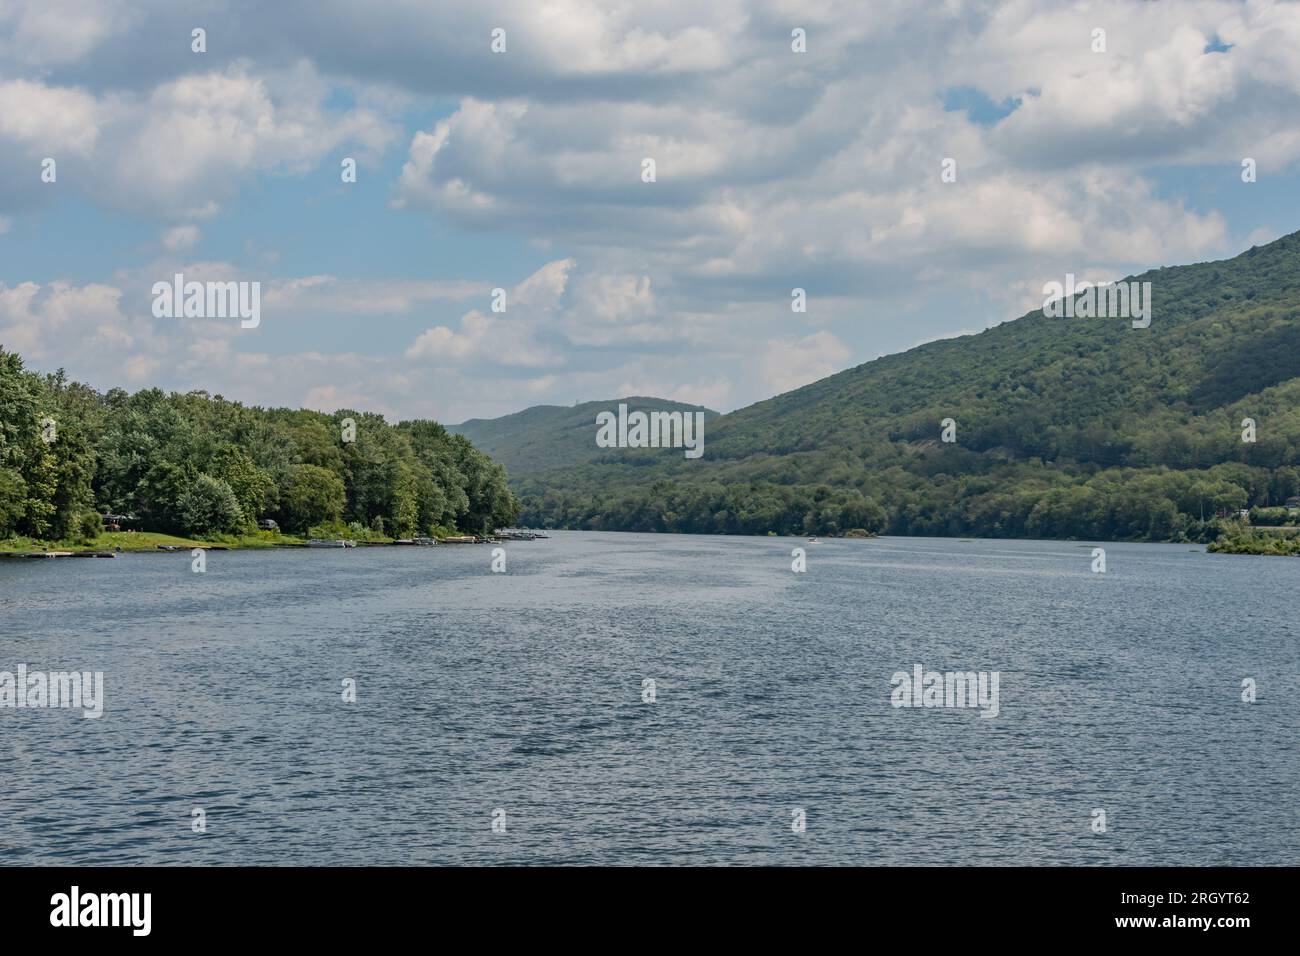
column 523, row 698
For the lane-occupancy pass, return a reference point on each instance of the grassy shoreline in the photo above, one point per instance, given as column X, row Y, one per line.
column 155, row 542
column 148, row 541
column 1281, row 541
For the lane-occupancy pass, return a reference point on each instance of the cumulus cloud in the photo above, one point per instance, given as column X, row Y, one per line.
column 48, row 121
column 53, row 32
column 775, row 170
column 184, row 148
column 505, row 338
column 50, row 323
column 790, row 362
column 180, row 238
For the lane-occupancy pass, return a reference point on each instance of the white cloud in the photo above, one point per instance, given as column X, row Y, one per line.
column 481, row 339
column 711, row 395
column 507, row 338
column 544, row 288
column 775, row 170
column 792, row 362
column 183, row 149
column 47, row 32
column 48, row 121
column 187, row 144
column 180, row 238
column 54, row 324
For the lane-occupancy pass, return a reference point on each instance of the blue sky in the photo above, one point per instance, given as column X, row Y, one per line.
column 521, row 170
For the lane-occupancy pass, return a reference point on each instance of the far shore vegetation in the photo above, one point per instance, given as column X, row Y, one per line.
column 84, row 470
column 1257, row 540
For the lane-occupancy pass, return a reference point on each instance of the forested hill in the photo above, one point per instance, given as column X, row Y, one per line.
column 1065, row 427
column 546, row 437
column 201, row 465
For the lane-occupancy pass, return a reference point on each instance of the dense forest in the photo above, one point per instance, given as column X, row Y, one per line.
column 1065, row 427
column 200, row 465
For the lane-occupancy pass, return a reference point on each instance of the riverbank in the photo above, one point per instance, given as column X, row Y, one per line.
column 149, row 541
column 144, row 541
column 1262, row 541
column 1276, row 541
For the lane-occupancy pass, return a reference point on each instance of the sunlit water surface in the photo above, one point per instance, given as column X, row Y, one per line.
column 523, row 692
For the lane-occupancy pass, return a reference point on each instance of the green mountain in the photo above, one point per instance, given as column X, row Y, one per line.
column 1065, row 427
column 550, row 437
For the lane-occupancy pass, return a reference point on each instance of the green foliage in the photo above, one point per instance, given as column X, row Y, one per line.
column 90, row 527
column 1255, row 542
column 13, row 500
column 157, row 496
column 44, row 474
column 346, row 529
column 1273, row 516
column 254, row 489
column 199, row 464
column 312, row 496
column 209, row 506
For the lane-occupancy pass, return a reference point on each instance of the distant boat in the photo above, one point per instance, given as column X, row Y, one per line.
column 335, row 543
column 813, row 541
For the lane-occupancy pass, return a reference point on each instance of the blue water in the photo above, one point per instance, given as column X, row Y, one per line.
column 522, row 692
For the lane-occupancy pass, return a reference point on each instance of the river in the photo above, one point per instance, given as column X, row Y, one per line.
column 656, row 699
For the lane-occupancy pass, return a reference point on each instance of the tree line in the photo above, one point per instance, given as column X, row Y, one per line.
column 1015, row 500
column 199, row 464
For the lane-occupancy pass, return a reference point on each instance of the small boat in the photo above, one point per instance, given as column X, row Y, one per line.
column 333, row 543
column 813, row 541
